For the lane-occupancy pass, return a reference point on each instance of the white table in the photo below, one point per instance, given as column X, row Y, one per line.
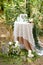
column 24, row 29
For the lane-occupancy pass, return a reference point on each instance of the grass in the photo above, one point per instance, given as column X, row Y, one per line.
column 17, row 59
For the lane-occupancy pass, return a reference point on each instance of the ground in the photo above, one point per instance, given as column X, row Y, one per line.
column 39, row 61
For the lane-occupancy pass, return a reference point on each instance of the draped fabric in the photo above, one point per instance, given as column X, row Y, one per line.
column 22, row 28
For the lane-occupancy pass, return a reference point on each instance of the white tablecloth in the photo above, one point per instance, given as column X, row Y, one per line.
column 24, row 29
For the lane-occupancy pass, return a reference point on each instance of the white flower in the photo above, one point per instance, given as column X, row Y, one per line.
column 31, row 20
column 16, row 44
column 10, row 43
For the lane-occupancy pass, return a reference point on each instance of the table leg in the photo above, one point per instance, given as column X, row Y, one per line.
column 25, row 43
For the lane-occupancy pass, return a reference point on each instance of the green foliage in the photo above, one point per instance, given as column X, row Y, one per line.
column 12, row 11
column 12, row 8
column 18, row 59
column 17, row 54
column 34, row 9
column 35, row 37
column 28, row 8
column 35, row 56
